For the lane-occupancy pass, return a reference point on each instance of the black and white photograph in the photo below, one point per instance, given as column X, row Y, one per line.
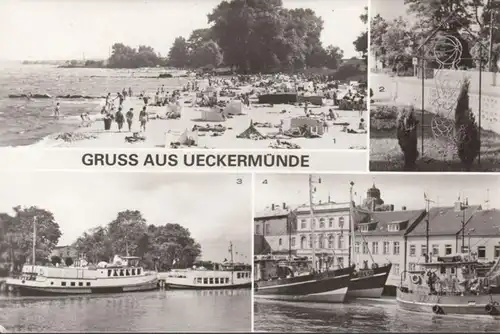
column 125, row 252
column 376, row 253
column 434, row 85
column 234, row 74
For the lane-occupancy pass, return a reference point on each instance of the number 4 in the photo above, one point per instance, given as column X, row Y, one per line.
column 265, row 181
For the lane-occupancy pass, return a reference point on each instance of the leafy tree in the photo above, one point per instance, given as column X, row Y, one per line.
column 55, row 260
column 361, row 42
column 124, row 56
column 208, row 54
column 378, row 28
column 68, row 261
column 178, row 55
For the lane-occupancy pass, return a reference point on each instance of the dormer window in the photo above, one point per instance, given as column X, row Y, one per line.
column 393, row 227
column 363, row 228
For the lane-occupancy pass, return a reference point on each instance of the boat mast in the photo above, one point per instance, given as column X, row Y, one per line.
column 351, row 226
column 313, row 222
column 232, row 264
column 34, row 242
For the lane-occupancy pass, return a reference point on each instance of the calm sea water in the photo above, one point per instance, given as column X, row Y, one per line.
column 361, row 316
column 174, row 310
column 24, row 122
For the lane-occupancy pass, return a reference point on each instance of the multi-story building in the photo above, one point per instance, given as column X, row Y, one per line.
column 276, row 226
column 380, row 238
column 330, row 237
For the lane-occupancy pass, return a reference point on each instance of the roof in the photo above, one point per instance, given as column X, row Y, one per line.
column 268, row 212
column 328, row 206
column 484, row 223
column 385, row 218
column 444, row 221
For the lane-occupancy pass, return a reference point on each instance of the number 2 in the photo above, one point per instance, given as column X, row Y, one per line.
column 381, row 89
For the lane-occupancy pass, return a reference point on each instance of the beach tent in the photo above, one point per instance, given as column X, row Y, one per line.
column 251, row 133
column 234, row 107
column 212, row 115
column 189, row 138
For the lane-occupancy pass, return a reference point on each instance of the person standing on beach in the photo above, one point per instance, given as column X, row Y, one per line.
column 119, row 119
column 120, row 98
column 130, row 91
column 56, row 110
column 143, row 118
column 130, row 115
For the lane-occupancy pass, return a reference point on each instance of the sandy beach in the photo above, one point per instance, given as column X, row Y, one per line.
column 161, row 132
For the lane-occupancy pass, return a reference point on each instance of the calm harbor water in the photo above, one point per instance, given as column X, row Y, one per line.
column 171, row 310
column 24, row 122
column 361, row 316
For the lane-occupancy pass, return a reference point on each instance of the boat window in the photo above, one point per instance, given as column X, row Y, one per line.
column 211, row 280
column 138, row 271
column 452, row 270
column 80, row 283
column 127, row 272
column 115, row 273
column 63, row 283
column 88, row 283
column 217, row 280
column 51, row 283
column 133, row 271
column 121, row 272
column 205, row 280
column 227, row 280
column 109, row 272
column 237, row 275
column 72, row 283
column 199, row 280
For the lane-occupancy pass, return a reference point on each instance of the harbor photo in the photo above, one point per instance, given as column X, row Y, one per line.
column 434, row 86
column 237, row 74
column 376, row 252
column 125, row 252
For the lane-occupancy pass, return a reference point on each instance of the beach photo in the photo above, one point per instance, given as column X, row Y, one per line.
column 237, row 74
column 125, row 252
column 434, row 86
column 376, row 253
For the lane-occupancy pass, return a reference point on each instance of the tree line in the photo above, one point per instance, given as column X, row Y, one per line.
column 395, row 42
column 160, row 247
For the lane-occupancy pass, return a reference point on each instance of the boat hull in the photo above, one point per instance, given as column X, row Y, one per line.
column 371, row 285
column 450, row 305
column 198, row 287
column 34, row 290
column 327, row 287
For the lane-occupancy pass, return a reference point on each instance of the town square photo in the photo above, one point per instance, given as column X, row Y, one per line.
column 376, row 252
column 434, row 85
column 233, row 74
column 125, row 252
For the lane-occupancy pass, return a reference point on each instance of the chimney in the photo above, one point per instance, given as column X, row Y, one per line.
column 284, row 205
column 403, row 208
column 272, row 207
column 392, row 207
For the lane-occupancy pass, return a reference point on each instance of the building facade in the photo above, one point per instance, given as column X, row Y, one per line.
column 276, row 226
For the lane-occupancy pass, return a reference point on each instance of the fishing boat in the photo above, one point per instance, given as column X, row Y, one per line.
column 123, row 275
column 226, row 275
column 454, row 285
column 365, row 282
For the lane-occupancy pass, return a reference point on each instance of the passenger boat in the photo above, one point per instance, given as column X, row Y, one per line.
column 454, row 285
column 227, row 275
column 368, row 283
column 284, row 280
column 123, row 275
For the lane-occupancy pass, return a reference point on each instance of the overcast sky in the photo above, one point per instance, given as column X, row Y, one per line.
column 398, row 189
column 388, row 9
column 213, row 207
column 57, row 29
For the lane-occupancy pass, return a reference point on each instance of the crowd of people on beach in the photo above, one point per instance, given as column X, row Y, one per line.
column 118, row 116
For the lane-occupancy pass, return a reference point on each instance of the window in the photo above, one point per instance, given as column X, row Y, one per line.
column 481, row 252
column 199, row 280
column 127, row 272
column 341, row 223
column 88, row 283
column 413, row 250
column 465, row 249
column 331, row 240
column 303, row 224
column 330, row 223
column 310, row 241
column 63, row 283
column 227, row 280
column 395, row 268
column 211, row 280
column 363, row 228
column 138, row 271
column 109, row 272
column 51, row 283
column 133, row 271
column 321, row 241
column 365, row 247
column 80, row 283
column 393, row 227
column 386, row 247
column 238, row 275
column 115, row 272
column 340, row 262
column 356, row 247
column 375, row 247
column 205, row 280
column 496, row 252
column 280, row 242
column 302, row 242
column 423, row 250
column 217, row 279
column 435, row 250
column 395, row 247
column 257, row 229
column 313, row 224
column 72, row 283
column 341, row 242
column 268, row 229
column 322, row 223
column 293, row 242
column 412, row 266
column 447, row 249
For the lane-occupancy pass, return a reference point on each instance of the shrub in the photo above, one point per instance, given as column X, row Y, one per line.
column 407, row 136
